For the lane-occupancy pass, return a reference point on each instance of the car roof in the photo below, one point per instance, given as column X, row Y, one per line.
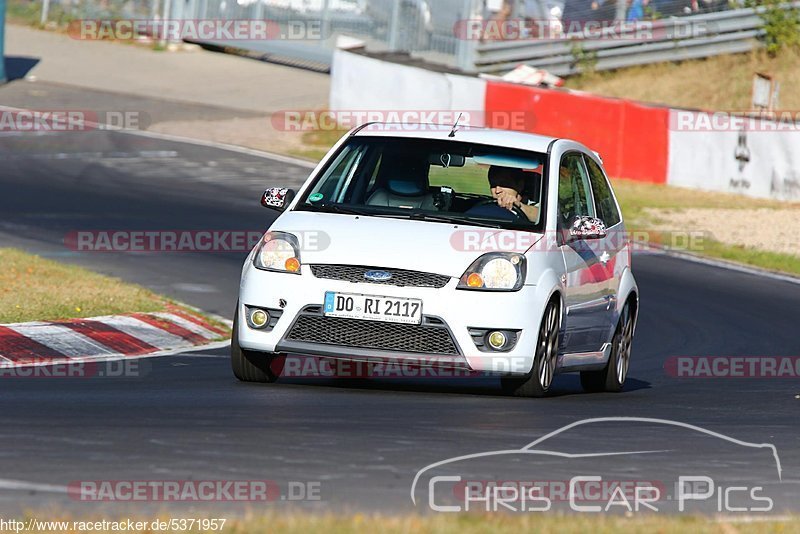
column 464, row 134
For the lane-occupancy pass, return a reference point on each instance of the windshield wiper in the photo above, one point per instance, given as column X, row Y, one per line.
column 416, row 215
column 453, row 219
column 334, row 208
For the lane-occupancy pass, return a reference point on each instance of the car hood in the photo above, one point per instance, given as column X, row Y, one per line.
column 433, row 247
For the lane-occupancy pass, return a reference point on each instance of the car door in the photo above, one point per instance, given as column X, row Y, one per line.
column 585, row 282
column 611, row 250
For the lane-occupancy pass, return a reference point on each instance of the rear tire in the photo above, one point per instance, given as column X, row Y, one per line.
column 612, row 378
column 538, row 381
column 251, row 366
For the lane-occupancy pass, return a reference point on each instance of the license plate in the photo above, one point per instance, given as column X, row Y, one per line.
column 373, row 308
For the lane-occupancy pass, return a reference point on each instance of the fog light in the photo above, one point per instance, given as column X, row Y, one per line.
column 497, row 340
column 259, row 318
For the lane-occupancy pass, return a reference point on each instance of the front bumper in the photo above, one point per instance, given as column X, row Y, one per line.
column 445, row 310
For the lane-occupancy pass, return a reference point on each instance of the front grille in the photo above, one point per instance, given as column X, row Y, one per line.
column 400, row 277
column 372, row 335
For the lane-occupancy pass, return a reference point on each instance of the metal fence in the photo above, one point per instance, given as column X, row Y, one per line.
column 424, row 27
column 433, row 29
column 673, row 39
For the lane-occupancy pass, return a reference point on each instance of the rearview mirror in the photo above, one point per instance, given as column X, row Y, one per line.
column 584, row 227
column 447, row 160
column 277, row 198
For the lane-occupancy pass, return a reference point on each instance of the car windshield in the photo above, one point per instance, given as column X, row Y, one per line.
column 439, row 181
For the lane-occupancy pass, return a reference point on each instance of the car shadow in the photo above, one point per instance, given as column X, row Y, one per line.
column 570, row 384
column 563, row 385
column 17, row 67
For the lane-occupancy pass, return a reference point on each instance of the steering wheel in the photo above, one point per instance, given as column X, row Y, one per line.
column 516, row 211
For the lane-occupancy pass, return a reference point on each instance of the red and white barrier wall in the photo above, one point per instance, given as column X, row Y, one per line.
column 637, row 141
column 630, row 137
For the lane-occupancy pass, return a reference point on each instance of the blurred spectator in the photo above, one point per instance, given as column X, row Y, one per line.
column 677, row 8
column 505, row 12
column 501, row 11
column 588, row 10
column 637, row 10
column 534, row 10
column 604, row 9
column 709, row 6
column 577, row 11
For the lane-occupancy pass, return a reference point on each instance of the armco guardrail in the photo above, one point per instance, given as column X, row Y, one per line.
column 672, row 39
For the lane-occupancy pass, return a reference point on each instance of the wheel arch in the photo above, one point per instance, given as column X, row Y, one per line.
column 628, row 292
column 549, row 288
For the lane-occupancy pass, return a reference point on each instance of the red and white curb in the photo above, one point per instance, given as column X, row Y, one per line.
column 106, row 338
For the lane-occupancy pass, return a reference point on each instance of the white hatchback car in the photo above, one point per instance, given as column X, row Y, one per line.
column 470, row 248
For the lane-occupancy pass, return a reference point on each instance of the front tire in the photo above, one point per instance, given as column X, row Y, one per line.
column 537, row 383
column 612, row 378
column 251, row 366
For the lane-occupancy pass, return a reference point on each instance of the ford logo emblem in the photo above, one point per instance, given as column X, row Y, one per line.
column 378, row 276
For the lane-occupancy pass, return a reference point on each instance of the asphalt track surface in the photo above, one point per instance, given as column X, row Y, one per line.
column 186, row 417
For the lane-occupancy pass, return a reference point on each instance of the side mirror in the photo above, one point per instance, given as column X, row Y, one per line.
column 277, row 198
column 584, row 227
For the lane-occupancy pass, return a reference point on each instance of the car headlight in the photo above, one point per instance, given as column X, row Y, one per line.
column 496, row 271
column 278, row 251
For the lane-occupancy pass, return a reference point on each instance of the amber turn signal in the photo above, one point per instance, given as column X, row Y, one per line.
column 292, row 265
column 474, row 280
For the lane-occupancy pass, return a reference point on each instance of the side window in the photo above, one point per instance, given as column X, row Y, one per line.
column 333, row 186
column 574, row 193
column 603, row 197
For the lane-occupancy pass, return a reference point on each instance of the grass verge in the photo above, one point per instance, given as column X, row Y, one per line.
column 316, row 144
column 686, row 83
column 64, row 19
column 500, row 524
column 37, row 289
column 642, row 203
